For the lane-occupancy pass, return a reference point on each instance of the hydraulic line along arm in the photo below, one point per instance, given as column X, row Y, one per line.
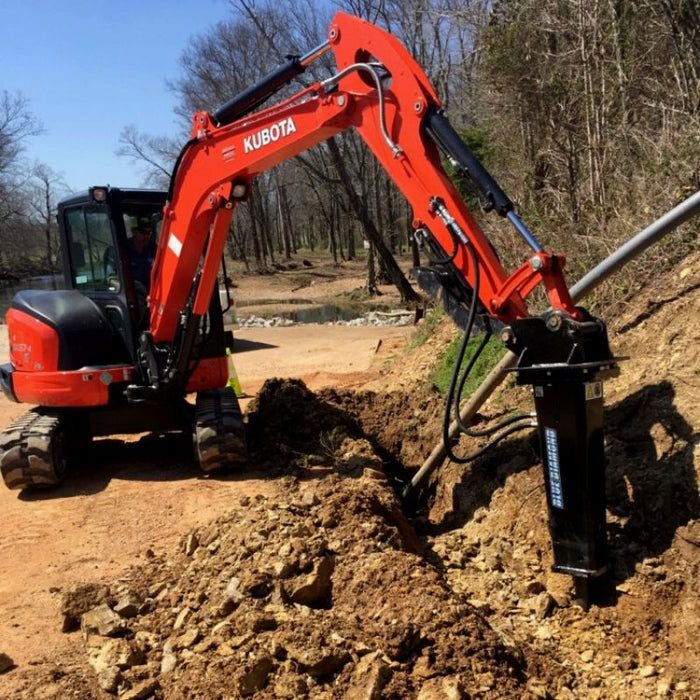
column 564, row 355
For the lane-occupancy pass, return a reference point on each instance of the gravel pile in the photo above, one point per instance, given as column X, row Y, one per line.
column 322, row 595
column 372, row 318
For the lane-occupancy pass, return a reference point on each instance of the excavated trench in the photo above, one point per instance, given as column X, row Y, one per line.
column 330, row 590
column 345, row 430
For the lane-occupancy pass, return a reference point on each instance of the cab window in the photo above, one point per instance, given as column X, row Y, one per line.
column 91, row 250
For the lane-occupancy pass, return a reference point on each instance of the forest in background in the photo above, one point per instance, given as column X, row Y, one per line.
column 586, row 111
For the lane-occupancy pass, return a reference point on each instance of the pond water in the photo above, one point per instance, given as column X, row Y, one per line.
column 321, row 314
column 326, row 313
column 312, row 313
column 7, row 291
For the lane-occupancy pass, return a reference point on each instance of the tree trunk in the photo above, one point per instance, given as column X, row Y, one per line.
column 371, row 281
column 257, row 253
column 352, row 253
column 284, row 218
column 408, row 295
column 332, row 241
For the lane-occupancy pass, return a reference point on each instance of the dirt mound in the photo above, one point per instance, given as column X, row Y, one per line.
column 330, row 590
column 402, row 427
column 308, row 428
column 326, row 594
column 303, row 429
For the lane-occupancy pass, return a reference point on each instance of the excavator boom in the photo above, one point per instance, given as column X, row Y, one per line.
column 382, row 93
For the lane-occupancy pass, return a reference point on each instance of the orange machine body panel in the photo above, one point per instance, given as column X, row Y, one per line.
column 34, row 351
column 33, row 345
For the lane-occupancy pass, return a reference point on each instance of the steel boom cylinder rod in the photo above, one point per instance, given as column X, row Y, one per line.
column 464, row 160
column 626, row 252
column 308, row 58
column 252, row 97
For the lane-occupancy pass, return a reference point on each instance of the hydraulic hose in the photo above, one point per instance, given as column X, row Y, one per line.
column 634, row 247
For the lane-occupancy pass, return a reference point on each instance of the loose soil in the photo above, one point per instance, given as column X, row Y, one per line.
column 305, row 576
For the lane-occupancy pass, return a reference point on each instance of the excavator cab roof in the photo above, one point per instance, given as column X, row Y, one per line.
column 101, row 194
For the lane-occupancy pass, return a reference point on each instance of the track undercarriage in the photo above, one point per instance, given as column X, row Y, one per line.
column 37, row 449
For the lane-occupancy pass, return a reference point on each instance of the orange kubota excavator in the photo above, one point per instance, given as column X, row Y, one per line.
column 106, row 355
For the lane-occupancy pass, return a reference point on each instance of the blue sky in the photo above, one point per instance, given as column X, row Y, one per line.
column 89, row 69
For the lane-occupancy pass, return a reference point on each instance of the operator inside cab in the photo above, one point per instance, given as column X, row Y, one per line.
column 141, row 251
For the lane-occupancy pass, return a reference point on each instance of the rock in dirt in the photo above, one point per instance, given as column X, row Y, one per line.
column 316, row 587
column 181, row 618
column 234, row 590
column 449, row 688
column 77, row 600
column 319, row 662
column 369, row 678
column 102, row 621
column 140, row 691
column 108, row 678
column 120, row 653
column 254, row 678
column 544, row 604
column 109, row 657
column 127, row 605
column 189, row 638
column 169, row 660
column 6, row 662
column 190, row 544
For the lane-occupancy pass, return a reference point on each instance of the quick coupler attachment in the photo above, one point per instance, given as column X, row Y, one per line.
column 565, row 361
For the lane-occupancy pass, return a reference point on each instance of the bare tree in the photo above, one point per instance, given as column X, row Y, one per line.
column 154, row 154
column 269, row 22
column 17, row 124
column 45, row 189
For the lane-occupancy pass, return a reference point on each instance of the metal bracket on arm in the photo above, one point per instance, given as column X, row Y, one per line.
column 542, row 267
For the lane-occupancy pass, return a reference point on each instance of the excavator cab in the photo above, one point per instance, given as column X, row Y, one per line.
column 65, row 335
column 95, row 229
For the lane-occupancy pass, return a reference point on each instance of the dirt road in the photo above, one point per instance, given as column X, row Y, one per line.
column 320, row 355
column 136, row 496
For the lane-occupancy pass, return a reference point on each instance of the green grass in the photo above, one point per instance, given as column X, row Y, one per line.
column 489, row 358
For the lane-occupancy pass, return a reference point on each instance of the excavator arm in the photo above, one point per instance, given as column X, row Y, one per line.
column 380, row 91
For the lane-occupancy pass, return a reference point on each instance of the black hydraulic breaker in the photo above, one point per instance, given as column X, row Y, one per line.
column 565, row 361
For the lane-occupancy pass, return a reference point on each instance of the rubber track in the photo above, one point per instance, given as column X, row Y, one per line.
column 219, row 431
column 27, row 452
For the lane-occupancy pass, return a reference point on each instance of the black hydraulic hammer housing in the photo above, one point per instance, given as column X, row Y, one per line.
column 565, row 361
